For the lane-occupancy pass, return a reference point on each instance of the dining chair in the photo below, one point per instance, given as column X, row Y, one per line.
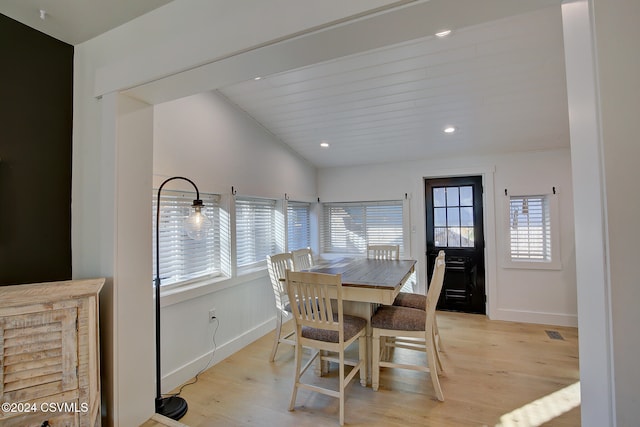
column 325, row 329
column 302, row 259
column 409, row 328
column 383, row 252
column 278, row 265
column 419, row 301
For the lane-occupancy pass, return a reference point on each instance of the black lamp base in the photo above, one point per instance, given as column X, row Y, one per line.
column 173, row 407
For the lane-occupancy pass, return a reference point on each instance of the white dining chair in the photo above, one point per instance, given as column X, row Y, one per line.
column 383, row 252
column 302, row 259
column 278, row 265
column 316, row 302
column 409, row 328
column 419, row 301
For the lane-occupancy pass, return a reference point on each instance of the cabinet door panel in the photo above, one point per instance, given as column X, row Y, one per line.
column 39, row 354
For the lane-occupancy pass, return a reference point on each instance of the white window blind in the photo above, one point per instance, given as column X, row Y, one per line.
column 349, row 227
column 530, row 228
column 255, row 230
column 182, row 258
column 298, row 225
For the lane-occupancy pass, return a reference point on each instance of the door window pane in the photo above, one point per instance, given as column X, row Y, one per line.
column 466, row 217
column 440, row 236
column 453, row 208
column 452, row 196
column 454, row 237
column 453, row 217
column 466, row 237
column 440, row 217
column 466, row 196
column 439, row 197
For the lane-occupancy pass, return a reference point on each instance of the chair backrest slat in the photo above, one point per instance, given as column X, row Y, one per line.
column 383, row 252
column 311, row 295
column 278, row 265
column 302, row 259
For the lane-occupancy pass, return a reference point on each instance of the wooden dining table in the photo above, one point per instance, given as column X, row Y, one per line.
column 366, row 283
column 368, row 280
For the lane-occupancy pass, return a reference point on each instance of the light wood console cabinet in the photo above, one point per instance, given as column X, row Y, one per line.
column 49, row 354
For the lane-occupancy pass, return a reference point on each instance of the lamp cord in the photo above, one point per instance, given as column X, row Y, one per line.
column 207, row 366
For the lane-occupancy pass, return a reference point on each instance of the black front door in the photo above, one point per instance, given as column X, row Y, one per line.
column 454, row 224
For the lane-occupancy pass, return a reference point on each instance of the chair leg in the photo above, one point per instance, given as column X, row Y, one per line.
column 438, row 360
column 322, row 366
column 277, row 338
column 342, row 386
column 386, row 349
column 296, row 379
column 431, row 359
column 375, row 361
column 362, row 351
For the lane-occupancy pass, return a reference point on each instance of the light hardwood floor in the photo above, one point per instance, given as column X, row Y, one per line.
column 492, row 369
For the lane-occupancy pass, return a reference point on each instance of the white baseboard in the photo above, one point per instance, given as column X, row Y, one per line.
column 187, row 371
column 556, row 319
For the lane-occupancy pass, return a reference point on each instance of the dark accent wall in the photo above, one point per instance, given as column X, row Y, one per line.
column 36, row 108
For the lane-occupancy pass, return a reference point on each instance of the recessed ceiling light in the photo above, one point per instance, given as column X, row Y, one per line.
column 257, row 78
column 444, row 33
column 449, row 129
column 324, row 144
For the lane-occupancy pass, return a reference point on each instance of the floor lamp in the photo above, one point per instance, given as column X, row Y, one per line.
column 196, row 226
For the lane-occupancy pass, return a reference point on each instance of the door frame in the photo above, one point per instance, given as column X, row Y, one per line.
column 489, row 223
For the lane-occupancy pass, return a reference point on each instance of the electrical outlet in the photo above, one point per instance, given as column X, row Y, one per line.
column 212, row 314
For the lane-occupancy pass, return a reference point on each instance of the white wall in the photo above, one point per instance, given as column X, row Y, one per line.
column 604, row 98
column 152, row 46
column 597, row 391
column 540, row 296
column 220, row 146
column 618, row 64
column 211, row 142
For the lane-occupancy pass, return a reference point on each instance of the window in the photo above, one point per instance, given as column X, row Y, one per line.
column 182, row 258
column 533, row 238
column 530, row 236
column 453, row 224
column 349, row 227
column 255, row 231
column 298, row 225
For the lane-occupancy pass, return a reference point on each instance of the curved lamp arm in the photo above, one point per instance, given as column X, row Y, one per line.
column 196, row 203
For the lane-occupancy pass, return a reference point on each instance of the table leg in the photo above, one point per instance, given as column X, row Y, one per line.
column 364, row 310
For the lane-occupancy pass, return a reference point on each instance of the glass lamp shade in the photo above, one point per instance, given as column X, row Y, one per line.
column 197, row 224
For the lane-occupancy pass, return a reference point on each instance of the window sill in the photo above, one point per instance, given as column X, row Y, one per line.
column 203, row 287
column 532, row 265
column 252, row 269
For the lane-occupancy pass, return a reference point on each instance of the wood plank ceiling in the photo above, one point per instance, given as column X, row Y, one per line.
column 500, row 84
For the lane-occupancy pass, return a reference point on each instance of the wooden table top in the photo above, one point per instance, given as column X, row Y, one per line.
column 368, row 273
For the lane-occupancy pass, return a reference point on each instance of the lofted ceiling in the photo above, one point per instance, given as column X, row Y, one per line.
column 376, row 89
column 501, row 84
